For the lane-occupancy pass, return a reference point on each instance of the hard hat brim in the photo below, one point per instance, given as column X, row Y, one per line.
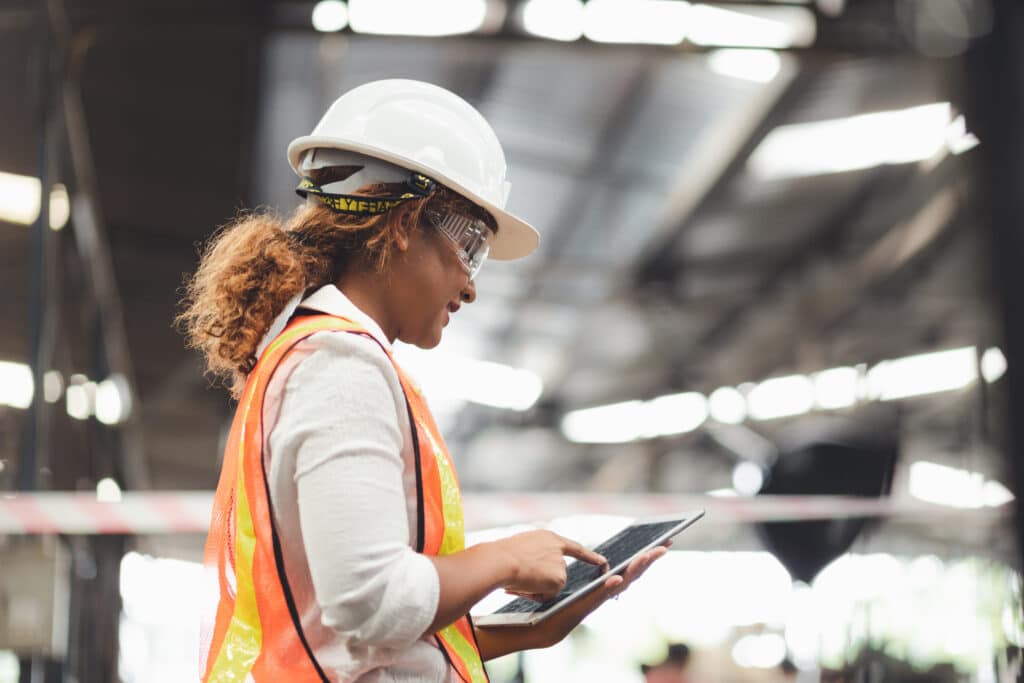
column 515, row 237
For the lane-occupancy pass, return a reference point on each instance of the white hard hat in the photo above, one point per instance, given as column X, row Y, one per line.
column 425, row 128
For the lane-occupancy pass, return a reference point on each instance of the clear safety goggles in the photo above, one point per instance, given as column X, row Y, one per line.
column 470, row 236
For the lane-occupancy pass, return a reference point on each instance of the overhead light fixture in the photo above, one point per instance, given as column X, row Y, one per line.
column 955, row 487
column 759, row 66
column 853, row 143
column 113, row 400
column 751, row 26
column 416, row 17
column 553, row 19
column 80, row 397
column 16, row 386
column 781, row 397
column 613, row 423
column 836, row 388
column 635, row 420
column 727, row 405
column 19, row 201
column 993, row 364
column 330, row 16
column 922, row 374
column 658, row 22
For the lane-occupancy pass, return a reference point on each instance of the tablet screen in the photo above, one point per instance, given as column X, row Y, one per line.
column 617, row 549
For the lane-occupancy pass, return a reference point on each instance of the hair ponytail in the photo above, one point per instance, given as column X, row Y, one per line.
column 250, row 268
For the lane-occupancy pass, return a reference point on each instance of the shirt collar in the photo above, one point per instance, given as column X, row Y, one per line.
column 331, row 300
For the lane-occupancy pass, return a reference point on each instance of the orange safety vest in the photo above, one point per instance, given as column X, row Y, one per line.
column 257, row 631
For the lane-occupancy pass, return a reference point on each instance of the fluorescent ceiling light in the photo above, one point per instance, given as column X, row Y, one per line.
column 80, row 397
column 19, row 201
column 760, row 66
column 723, row 493
column 781, row 397
column 330, row 16
column 750, row 26
column 857, row 142
column 635, row 420
column 955, row 487
column 113, row 400
column 416, row 17
column 993, row 364
column 659, row 22
column 926, row 373
column 554, row 19
column 836, row 388
column 16, row 386
column 614, row 423
column 673, row 414
column 727, row 405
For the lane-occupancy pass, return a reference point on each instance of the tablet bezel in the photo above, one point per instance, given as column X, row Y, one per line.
column 533, row 618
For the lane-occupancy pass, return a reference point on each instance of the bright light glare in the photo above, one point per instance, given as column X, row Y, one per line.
column 959, row 139
column 659, row 22
column 554, row 19
column 160, row 628
column 803, row 626
column 775, row 27
column 747, row 478
column 16, row 387
column 836, row 388
column 993, row 364
column 79, row 399
column 113, row 400
column 613, row 423
column 19, row 201
column 857, row 142
column 107, row 491
column 19, row 198
column 727, row 405
column 633, row 420
column 759, row 651
column 955, row 487
column 450, row 377
column 415, row 17
column 926, row 373
column 53, row 386
column 781, row 397
column 760, row 66
column 330, row 15
column 673, row 414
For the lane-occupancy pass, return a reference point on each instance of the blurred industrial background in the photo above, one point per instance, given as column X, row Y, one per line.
column 777, row 280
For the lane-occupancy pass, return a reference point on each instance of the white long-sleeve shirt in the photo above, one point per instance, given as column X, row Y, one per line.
column 343, row 491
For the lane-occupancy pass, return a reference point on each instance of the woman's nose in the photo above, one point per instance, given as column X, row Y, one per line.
column 469, row 292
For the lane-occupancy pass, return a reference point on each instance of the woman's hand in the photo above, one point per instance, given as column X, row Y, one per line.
column 537, row 559
column 495, row 642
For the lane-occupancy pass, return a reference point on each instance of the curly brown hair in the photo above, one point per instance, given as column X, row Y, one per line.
column 252, row 266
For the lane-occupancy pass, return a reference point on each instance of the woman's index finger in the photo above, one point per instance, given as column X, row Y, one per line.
column 580, row 552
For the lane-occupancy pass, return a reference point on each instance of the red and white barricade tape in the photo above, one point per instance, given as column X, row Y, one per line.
column 165, row 512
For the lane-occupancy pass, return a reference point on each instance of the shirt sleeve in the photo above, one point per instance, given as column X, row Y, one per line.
column 339, row 417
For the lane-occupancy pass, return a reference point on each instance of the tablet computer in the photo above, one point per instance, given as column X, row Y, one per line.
column 583, row 577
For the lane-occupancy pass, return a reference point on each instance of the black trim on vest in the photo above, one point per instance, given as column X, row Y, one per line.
column 421, row 541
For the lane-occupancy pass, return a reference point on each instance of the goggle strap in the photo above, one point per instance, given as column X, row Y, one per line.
column 361, row 205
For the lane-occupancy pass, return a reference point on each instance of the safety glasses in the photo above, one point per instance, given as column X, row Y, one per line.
column 470, row 236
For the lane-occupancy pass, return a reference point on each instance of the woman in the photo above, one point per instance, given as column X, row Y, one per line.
column 337, row 530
